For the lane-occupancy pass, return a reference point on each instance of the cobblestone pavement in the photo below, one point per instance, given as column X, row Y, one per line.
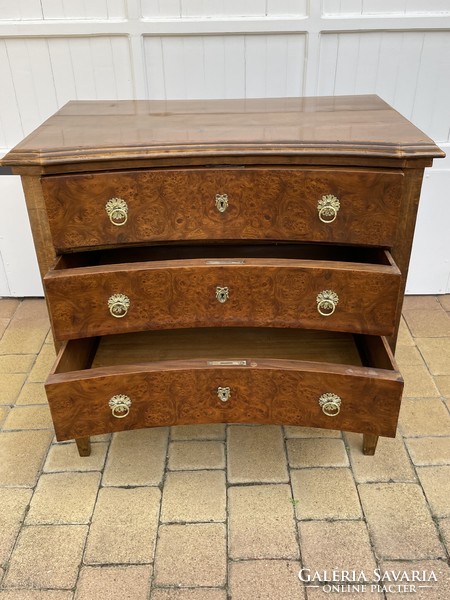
column 217, row 512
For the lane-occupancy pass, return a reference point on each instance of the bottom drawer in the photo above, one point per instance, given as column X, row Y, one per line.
column 292, row 377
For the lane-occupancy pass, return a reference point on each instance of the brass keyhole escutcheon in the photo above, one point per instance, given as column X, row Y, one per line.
column 221, row 202
column 222, row 294
column 224, row 393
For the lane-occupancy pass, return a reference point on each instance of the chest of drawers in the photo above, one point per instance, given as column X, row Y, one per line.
column 224, row 261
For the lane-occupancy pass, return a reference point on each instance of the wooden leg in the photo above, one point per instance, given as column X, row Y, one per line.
column 370, row 442
column 84, row 446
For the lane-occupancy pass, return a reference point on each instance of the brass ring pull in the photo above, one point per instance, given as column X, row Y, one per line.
column 330, row 404
column 328, row 207
column 118, row 305
column 120, row 406
column 224, row 393
column 221, row 202
column 327, row 302
column 222, row 294
column 117, row 210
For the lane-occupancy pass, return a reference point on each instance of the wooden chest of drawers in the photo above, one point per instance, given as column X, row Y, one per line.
column 224, row 261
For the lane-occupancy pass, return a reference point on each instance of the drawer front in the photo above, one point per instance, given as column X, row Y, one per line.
column 119, row 398
column 252, row 293
column 324, row 205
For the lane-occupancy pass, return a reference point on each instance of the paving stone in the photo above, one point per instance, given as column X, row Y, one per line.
column 399, row 521
column 13, row 504
column 43, row 365
column 11, row 386
column 191, row 496
column 188, row 594
column 32, row 393
column 438, row 590
column 418, row 382
column 64, row 498
column 444, row 528
column 29, row 417
column 407, row 356
column 428, row 323
column 3, row 325
column 46, row 557
column 291, row 431
column 136, row 457
column 340, row 545
column 443, row 384
column 317, row 453
column 423, row 418
column 8, row 307
column 16, row 363
column 4, row 410
column 65, row 457
column 35, row 595
column 436, row 352
column 265, row 580
column 261, row 522
column 436, row 485
column 429, row 450
column 256, row 454
column 325, row 493
column 421, row 303
column 196, row 455
column 390, row 462
column 444, row 300
column 123, row 526
column 404, row 335
column 198, row 432
column 114, row 583
column 21, row 456
column 27, row 329
column 191, row 555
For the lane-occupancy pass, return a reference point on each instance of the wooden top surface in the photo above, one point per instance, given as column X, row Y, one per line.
column 355, row 126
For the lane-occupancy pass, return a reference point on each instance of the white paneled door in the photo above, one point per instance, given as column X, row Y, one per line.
column 52, row 51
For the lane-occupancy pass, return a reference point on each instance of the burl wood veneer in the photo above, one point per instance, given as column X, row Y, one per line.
column 240, row 258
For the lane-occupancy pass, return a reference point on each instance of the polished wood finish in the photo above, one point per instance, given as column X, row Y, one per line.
column 263, row 292
column 98, row 132
column 84, row 446
column 264, row 203
column 275, row 159
column 268, row 388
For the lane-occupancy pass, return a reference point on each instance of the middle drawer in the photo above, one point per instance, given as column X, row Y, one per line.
column 167, row 287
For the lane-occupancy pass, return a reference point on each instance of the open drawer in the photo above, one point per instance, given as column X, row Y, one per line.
column 293, row 377
column 335, row 288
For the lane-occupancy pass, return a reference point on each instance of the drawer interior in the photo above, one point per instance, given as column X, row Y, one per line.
column 232, row 344
column 223, row 252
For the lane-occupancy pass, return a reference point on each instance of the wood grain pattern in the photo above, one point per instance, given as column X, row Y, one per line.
column 271, row 204
column 265, row 390
column 263, row 292
column 356, row 126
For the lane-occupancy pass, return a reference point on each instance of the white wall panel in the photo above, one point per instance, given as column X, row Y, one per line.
column 384, row 7
column 221, row 8
column 407, row 69
column 233, row 66
column 42, row 74
column 52, row 51
column 26, row 10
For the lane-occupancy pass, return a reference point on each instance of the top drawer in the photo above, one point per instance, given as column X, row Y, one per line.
column 126, row 207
